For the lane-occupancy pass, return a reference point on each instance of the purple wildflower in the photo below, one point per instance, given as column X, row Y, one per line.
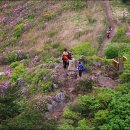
column 8, row 71
column 4, row 20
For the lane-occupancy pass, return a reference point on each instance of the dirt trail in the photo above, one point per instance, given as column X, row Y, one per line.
column 112, row 23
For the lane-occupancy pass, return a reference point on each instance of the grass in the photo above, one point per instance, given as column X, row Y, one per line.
column 84, row 48
column 52, row 33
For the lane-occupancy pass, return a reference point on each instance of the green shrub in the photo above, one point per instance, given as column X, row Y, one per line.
column 119, row 111
column 74, row 4
column 15, row 64
column 65, row 127
column 111, row 52
column 18, row 72
column 104, row 97
column 124, row 88
column 68, row 114
column 101, row 117
column 88, row 105
column 46, row 85
column 8, row 103
column 82, row 125
column 18, row 30
column 115, row 50
column 84, row 48
column 85, row 85
column 10, row 57
column 125, row 76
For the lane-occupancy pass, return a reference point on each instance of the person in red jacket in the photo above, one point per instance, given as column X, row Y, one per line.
column 65, row 58
column 70, row 55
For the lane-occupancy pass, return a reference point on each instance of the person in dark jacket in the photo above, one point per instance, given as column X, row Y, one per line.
column 80, row 69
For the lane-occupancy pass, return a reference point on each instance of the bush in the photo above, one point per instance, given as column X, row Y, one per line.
column 65, row 127
column 10, row 57
column 124, row 88
column 112, row 51
column 15, row 64
column 8, row 105
column 125, row 76
column 18, row 30
column 85, row 85
column 74, row 4
column 88, row 105
column 104, row 97
column 115, row 50
column 18, row 72
column 118, row 116
column 82, row 125
column 101, row 117
column 68, row 114
column 83, row 49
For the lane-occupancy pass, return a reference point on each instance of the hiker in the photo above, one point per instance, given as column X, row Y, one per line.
column 70, row 55
column 108, row 34
column 110, row 28
column 80, row 68
column 65, row 58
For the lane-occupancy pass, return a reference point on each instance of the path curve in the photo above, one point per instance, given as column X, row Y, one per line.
column 112, row 23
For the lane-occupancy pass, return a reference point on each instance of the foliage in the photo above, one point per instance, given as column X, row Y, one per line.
column 52, row 33
column 68, row 114
column 115, row 49
column 125, row 76
column 65, row 127
column 121, row 36
column 39, row 75
column 124, row 88
column 84, row 48
column 15, row 64
column 85, row 85
column 118, row 116
column 104, row 97
column 88, row 105
column 74, row 4
column 18, row 30
column 82, row 125
column 10, row 57
column 18, row 72
column 100, row 117
column 9, row 107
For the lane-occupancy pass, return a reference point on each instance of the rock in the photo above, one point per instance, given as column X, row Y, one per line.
column 60, row 97
column 49, row 107
column 72, row 74
column 107, row 82
column 55, row 86
column 97, row 64
column 2, row 73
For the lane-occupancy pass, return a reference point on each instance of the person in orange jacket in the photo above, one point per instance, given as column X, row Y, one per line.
column 65, row 58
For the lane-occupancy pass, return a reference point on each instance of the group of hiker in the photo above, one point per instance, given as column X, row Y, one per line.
column 70, row 63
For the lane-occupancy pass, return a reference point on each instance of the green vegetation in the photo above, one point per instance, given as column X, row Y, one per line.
column 28, row 57
column 18, row 30
column 84, row 48
column 74, row 4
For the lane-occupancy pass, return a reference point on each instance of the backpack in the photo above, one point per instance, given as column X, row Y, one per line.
column 80, row 67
